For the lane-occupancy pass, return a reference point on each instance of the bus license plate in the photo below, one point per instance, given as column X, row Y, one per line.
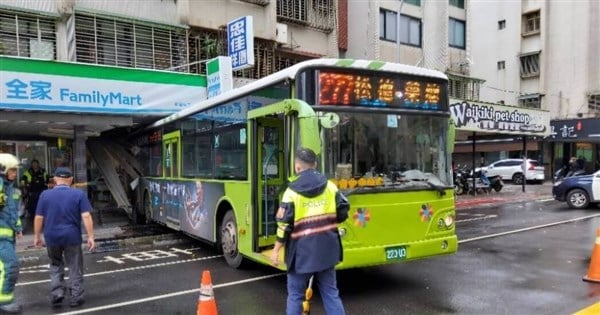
column 395, row 253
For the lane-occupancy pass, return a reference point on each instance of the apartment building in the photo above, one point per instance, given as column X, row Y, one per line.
column 544, row 54
column 532, row 54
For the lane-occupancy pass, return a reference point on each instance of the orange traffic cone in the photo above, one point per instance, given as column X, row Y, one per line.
column 593, row 274
column 206, row 300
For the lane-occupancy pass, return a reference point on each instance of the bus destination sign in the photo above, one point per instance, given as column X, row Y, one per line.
column 344, row 89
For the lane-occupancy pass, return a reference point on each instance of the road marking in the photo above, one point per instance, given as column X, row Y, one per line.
column 145, row 255
column 490, row 216
column 169, row 295
column 129, row 269
column 482, row 237
column 590, row 310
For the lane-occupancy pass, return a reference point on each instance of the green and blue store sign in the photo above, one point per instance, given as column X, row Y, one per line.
column 41, row 85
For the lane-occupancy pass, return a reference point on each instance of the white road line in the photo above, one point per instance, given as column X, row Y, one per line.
column 169, row 295
column 129, row 269
column 490, row 216
column 482, row 237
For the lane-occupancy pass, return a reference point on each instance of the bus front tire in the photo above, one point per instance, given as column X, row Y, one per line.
column 229, row 241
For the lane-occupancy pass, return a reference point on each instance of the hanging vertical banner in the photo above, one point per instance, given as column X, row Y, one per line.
column 218, row 75
column 240, row 42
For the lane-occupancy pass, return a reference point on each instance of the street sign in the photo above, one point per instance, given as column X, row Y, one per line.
column 240, row 43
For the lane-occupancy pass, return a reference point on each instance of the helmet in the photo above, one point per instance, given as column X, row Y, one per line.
column 8, row 161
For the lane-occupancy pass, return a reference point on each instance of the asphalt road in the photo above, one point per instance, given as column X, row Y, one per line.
column 519, row 258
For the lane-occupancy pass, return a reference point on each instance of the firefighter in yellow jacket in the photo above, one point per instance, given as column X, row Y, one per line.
column 10, row 228
column 307, row 219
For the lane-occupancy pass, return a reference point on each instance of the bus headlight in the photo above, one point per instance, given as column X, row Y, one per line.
column 449, row 220
column 342, row 232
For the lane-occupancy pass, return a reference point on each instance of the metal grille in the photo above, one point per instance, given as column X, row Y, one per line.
column 530, row 101
column 292, row 10
column 111, row 41
column 463, row 87
column 26, row 35
column 319, row 14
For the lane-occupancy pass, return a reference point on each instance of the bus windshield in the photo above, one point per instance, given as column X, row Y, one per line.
column 405, row 151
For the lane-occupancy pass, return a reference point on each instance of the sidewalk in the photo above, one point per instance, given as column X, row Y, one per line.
column 116, row 231
column 509, row 193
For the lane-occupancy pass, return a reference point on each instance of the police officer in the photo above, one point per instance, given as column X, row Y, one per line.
column 10, row 228
column 34, row 180
column 307, row 219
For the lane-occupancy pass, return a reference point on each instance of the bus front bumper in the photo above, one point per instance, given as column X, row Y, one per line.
column 355, row 257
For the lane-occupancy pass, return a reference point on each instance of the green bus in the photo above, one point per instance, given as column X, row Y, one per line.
column 217, row 169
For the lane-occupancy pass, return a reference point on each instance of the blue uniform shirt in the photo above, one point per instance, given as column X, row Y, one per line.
column 61, row 208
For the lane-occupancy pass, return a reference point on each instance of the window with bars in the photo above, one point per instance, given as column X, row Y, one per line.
column 501, row 65
column 464, row 87
column 530, row 65
column 27, row 35
column 294, row 10
column 111, row 41
column 530, row 101
column 594, row 102
column 531, row 23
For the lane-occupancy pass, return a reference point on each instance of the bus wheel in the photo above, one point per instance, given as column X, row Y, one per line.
column 229, row 240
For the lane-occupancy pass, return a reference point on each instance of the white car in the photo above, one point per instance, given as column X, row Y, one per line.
column 512, row 169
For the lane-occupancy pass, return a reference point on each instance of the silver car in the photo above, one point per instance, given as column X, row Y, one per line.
column 512, row 169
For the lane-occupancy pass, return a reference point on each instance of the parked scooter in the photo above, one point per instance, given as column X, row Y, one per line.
column 482, row 183
column 496, row 183
column 460, row 181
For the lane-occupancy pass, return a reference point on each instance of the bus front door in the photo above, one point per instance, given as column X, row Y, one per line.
column 270, row 174
column 170, row 166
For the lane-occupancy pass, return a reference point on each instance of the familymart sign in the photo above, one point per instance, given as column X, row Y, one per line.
column 30, row 84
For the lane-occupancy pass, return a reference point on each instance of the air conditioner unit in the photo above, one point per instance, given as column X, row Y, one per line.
column 281, row 33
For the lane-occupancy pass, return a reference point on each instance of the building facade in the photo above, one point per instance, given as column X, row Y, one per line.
column 174, row 35
column 531, row 54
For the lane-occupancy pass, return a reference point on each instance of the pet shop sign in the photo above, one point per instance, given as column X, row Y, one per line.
column 483, row 117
